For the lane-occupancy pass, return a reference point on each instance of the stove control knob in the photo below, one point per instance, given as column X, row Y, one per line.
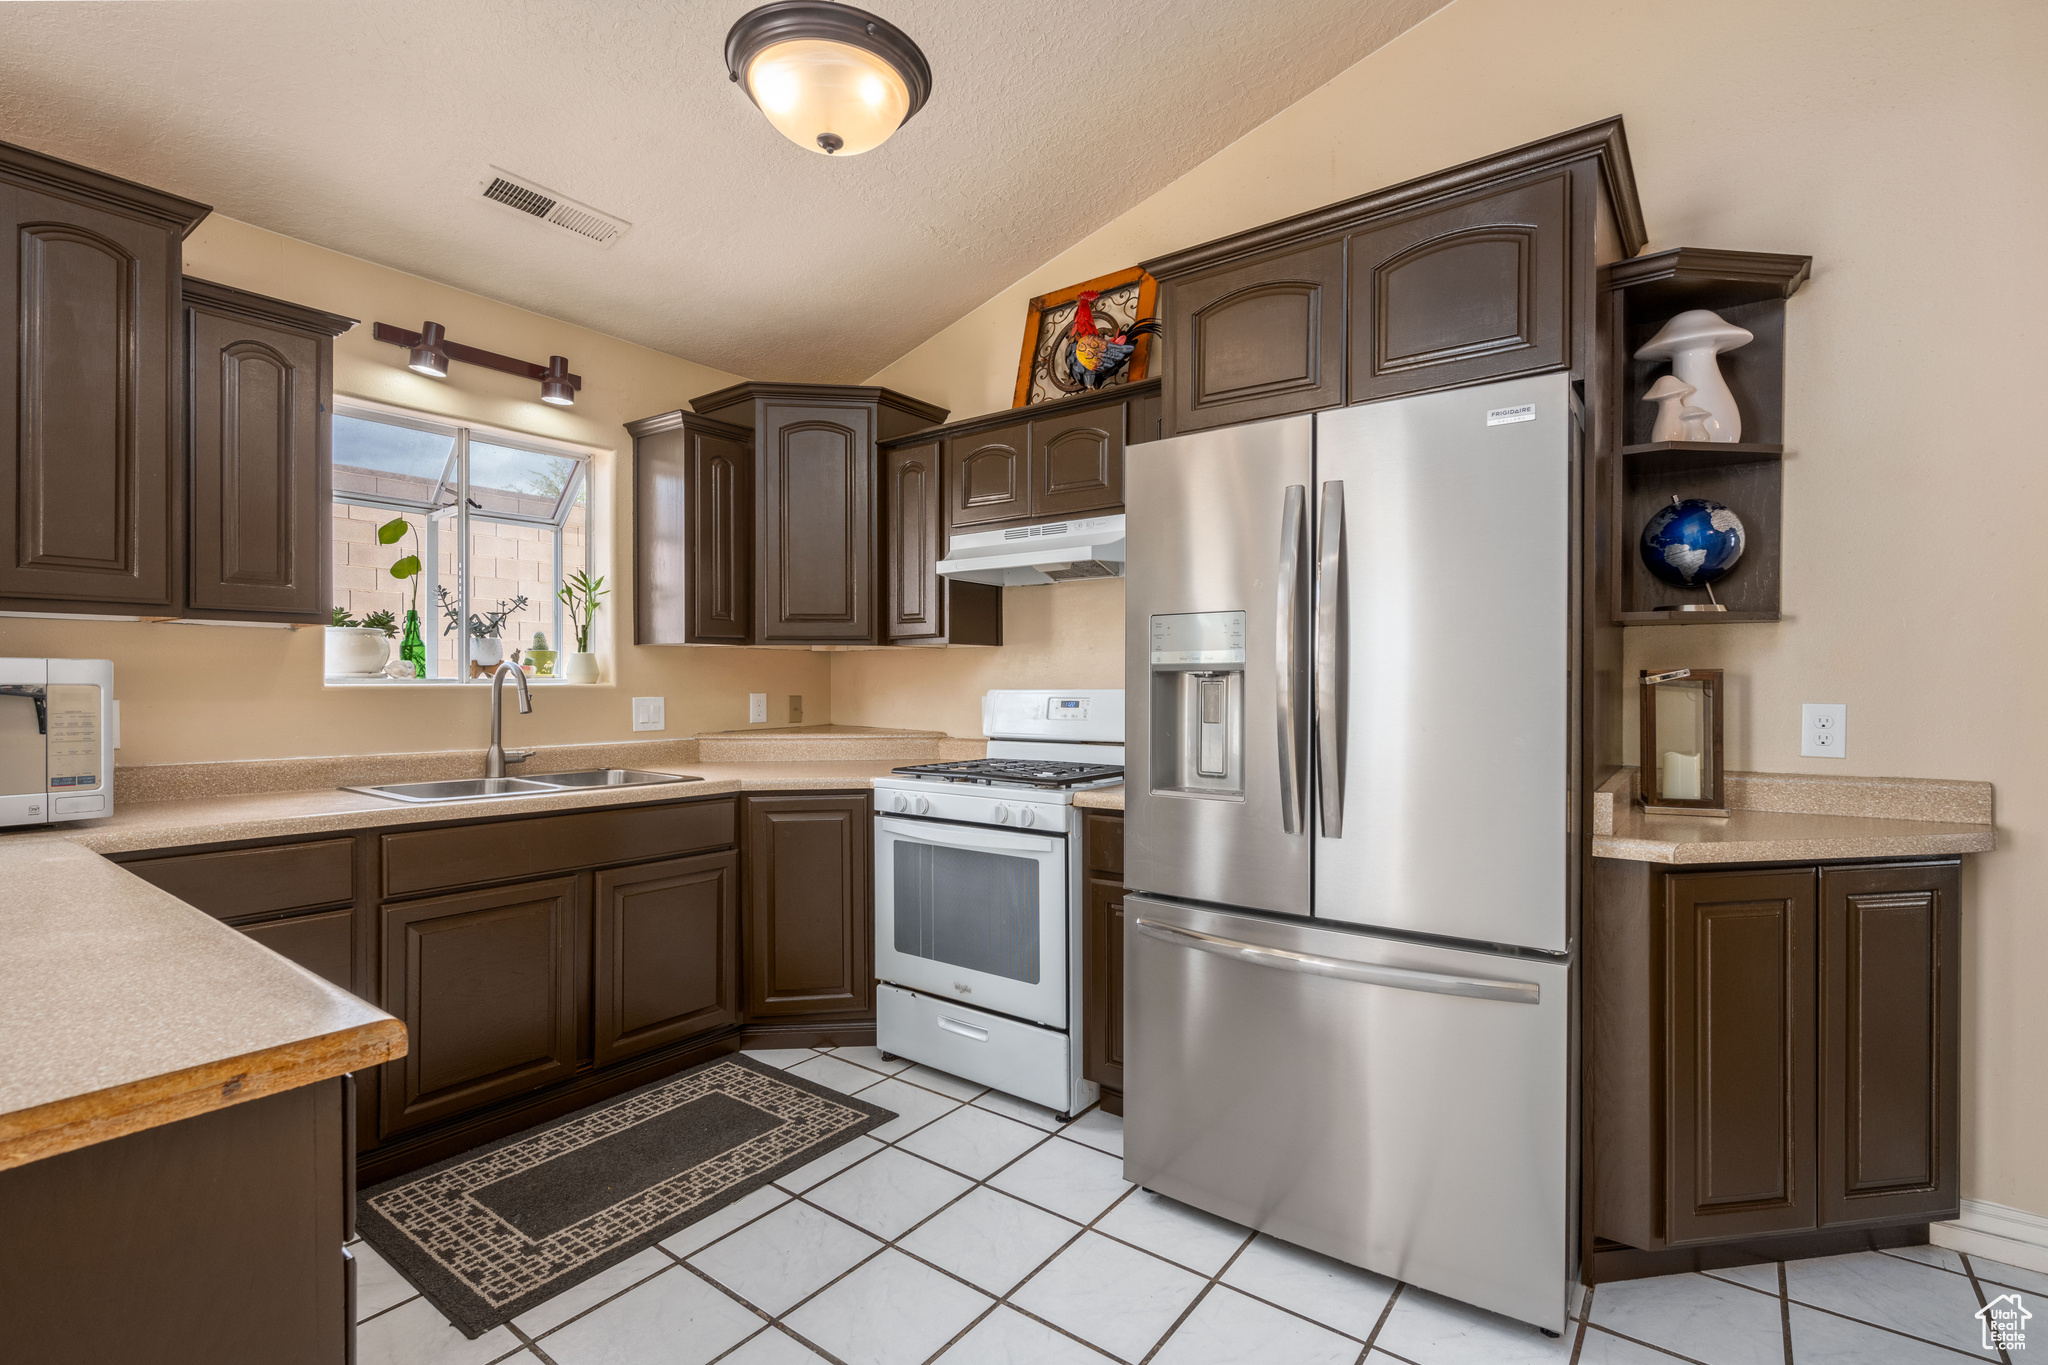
column 1024, row 815
column 922, row 805
column 899, row 802
column 1002, row 814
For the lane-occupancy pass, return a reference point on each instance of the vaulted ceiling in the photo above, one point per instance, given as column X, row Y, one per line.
column 367, row 126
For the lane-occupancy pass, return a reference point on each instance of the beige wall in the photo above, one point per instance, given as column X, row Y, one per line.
column 210, row 692
column 1902, row 145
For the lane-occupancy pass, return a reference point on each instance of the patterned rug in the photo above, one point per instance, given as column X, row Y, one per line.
column 491, row 1233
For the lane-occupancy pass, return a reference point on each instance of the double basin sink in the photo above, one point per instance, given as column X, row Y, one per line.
column 497, row 788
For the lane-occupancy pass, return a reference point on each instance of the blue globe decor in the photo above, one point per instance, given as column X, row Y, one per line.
column 1692, row 542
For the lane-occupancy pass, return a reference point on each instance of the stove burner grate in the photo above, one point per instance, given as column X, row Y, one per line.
column 1032, row 772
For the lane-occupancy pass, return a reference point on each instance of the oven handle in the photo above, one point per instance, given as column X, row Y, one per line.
column 957, row 836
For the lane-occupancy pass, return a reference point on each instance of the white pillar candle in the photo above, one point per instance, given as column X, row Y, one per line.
column 1680, row 777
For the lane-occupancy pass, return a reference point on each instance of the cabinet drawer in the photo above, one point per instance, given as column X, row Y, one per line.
column 1021, row 1059
column 247, row 882
column 322, row 943
column 1104, row 844
column 430, row 860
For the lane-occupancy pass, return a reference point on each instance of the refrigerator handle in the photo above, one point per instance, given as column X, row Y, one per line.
column 1288, row 657
column 1333, row 652
column 1343, row 969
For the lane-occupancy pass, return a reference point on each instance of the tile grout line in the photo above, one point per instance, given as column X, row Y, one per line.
column 1982, row 1301
column 1584, row 1321
column 1784, row 1306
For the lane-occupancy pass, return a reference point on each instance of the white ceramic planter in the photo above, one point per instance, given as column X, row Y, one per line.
column 579, row 668
column 356, row 651
column 489, row 653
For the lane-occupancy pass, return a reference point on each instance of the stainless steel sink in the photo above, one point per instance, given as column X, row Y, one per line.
column 461, row 789
column 497, row 788
column 612, row 777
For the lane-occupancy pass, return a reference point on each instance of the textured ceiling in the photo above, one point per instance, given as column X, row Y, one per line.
column 364, row 126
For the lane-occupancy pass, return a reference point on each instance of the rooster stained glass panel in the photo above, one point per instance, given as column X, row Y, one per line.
column 1048, row 369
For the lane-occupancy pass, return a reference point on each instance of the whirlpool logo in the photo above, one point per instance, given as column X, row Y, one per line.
column 963, row 988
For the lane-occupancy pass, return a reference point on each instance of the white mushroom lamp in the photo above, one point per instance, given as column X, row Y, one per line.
column 1691, row 341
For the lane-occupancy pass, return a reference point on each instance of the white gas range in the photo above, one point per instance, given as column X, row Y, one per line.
column 978, row 896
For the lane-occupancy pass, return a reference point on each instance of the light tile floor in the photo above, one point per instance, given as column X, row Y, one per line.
column 976, row 1230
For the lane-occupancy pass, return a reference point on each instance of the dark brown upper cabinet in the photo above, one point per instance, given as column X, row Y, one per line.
column 1077, row 462
column 667, row 955
column 1474, row 273
column 1261, row 338
column 989, row 475
column 775, row 523
column 921, row 607
column 91, row 417
column 693, row 531
column 1472, row 291
column 809, row 938
column 260, row 379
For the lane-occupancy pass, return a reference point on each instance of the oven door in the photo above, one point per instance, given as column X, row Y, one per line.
column 975, row 915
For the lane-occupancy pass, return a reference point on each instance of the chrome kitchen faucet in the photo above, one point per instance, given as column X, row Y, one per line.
column 497, row 758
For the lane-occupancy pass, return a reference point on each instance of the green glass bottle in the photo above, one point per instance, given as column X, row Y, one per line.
column 412, row 648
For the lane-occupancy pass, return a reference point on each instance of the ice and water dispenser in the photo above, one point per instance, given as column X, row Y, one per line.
column 1198, row 704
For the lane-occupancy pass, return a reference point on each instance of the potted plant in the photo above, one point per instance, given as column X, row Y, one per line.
column 581, row 594
column 413, row 648
column 357, row 649
column 486, row 632
column 540, row 656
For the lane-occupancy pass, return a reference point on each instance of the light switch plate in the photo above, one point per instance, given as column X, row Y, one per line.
column 1824, row 730
column 757, row 708
column 648, row 713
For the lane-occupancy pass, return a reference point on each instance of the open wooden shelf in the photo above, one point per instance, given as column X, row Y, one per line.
column 1641, row 295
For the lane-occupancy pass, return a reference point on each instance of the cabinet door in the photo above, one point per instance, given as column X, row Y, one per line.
column 1102, row 985
column 1469, row 291
column 1890, row 1018
column 988, row 477
column 668, row 953
column 913, row 536
column 809, row 946
column 1077, row 462
column 485, row 983
column 261, row 477
column 1739, row 1047
column 693, row 535
column 815, row 533
column 1256, row 339
column 324, row 944
column 89, row 501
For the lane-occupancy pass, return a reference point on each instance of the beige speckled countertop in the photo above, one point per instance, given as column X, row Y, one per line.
column 1101, row 798
column 122, row 1008
column 1797, row 817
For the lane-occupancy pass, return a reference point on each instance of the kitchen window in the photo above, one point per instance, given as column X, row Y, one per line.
column 494, row 517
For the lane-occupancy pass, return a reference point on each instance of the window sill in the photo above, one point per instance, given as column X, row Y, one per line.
column 351, row 680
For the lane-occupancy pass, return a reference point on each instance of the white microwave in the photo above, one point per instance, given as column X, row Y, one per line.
column 56, row 740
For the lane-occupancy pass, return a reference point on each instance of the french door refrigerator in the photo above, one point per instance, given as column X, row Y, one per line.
column 1350, row 858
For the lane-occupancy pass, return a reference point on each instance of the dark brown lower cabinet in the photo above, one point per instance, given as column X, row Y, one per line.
column 667, row 953
column 1770, row 1052
column 809, row 945
column 215, row 1240
column 1102, row 958
column 486, row 985
column 322, row 943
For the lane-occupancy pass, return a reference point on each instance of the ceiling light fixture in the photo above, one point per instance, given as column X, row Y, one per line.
column 428, row 357
column 429, row 351
column 831, row 78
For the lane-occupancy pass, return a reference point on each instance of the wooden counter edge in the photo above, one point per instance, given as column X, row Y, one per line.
column 100, row 1115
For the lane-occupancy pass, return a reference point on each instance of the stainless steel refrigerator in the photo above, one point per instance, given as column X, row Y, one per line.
column 1350, row 854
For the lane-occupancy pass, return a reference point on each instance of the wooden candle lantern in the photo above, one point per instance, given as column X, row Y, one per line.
column 1681, row 742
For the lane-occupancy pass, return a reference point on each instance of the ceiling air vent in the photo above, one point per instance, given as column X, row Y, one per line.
column 534, row 201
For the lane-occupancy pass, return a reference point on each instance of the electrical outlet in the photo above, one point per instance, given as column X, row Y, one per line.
column 1824, row 730
column 796, row 709
column 757, row 708
column 648, row 713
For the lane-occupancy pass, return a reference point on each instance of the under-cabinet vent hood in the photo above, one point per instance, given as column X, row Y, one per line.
column 1053, row 552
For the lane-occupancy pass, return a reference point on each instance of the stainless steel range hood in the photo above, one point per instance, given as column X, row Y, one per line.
column 1053, row 552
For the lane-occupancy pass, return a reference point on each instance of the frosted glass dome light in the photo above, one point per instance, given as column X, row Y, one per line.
column 832, row 79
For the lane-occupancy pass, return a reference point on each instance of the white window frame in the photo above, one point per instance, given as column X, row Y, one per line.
column 581, row 484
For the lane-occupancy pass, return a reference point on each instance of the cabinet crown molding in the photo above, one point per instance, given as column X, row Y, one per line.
column 241, row 303
column 1604, row 139
column 1036, row 412
column 682, row 419
column 106, row 191
column 1744, row 276
column 819, row 393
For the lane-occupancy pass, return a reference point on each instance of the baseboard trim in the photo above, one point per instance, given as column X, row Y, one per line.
column 1999, row 1232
